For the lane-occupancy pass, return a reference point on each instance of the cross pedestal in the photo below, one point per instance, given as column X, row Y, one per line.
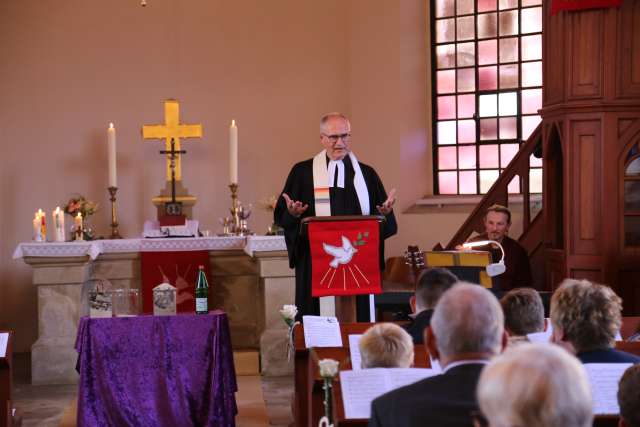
column 182, row 196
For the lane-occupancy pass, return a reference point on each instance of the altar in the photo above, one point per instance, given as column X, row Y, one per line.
column 251, row 280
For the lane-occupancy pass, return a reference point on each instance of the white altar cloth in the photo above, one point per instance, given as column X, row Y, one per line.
column 94, row 248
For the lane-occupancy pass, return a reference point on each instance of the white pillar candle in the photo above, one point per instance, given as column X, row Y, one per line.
column 233, row 153
column 58, row 225
column 43, row 225
column 111, row 150
column 37, row 224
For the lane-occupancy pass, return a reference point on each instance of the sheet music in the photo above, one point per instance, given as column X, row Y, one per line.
column 435, row 365
column 4, row 342
column 360, row 387
column 400, row 377
column 354, row 349
column 321, row 331
column 604, row 379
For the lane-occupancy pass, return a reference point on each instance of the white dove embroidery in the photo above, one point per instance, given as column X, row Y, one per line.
column 342, row 255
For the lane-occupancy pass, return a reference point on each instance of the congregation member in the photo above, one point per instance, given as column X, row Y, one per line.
column 467, row 329
column 497, row 222
column 354, row 189
column 432, row 283
column 523, row 314
column 629, row 397
column 386, row 345
column 586, row 318
column 534, row 385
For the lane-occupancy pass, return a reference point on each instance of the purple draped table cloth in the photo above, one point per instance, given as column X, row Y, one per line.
column 156, row 371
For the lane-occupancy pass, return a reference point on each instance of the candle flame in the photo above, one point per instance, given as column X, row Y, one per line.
column 110, row 125
column 57, row 209
column 40, row 213
column 233, row 123
column 79, row 215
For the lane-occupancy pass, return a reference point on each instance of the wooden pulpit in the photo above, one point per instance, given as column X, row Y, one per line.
column 351, row 249
column 6, row 353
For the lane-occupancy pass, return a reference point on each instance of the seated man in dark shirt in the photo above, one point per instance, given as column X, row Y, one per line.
column 586, row 318
column 432, row 283
column 497, row 222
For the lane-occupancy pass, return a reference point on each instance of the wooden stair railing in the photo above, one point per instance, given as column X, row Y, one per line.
column 531, row 237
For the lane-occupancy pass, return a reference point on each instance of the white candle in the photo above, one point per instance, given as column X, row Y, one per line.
column 233, row 153
column 111, row 149
column 37, row 231
column 58, row 224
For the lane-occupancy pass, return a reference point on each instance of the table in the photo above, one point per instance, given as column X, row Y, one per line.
column 156, row 371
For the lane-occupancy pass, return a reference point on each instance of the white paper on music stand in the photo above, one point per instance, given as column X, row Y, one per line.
column 4, row 342
column 321, row 331
column 359, row 388
column 604, row 379
column 354, row 350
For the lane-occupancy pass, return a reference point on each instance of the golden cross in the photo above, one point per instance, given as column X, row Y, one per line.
column 172, row 129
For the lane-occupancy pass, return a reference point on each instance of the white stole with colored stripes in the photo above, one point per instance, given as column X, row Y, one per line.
column 322, row 181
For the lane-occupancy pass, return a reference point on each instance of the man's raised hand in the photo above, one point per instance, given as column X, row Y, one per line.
column 387, row 206
column 295, row 208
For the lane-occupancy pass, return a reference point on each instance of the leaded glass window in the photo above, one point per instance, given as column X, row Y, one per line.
column 487, row 75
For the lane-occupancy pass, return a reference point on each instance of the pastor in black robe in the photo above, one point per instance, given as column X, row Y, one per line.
column 344, row 201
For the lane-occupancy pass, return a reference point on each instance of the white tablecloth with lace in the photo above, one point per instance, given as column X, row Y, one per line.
column 94, row 248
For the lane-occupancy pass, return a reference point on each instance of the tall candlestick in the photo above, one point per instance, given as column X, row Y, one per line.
column 233, row 153
column 111, row 149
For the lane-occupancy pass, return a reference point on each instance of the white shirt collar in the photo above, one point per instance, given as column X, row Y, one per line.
column 333, row 165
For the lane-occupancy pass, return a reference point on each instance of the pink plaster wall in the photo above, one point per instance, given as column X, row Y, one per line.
column 69, row 67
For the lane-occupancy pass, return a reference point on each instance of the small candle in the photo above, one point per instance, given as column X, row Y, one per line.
column 43, row 224
column 233, row 153
column 78, row 226
column 111, row 150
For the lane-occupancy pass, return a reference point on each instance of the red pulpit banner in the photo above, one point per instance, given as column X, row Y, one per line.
column 345, row 257
column 180, row 269
column 558, row 5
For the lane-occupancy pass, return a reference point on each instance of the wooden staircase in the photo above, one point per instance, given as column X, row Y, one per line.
column 532, row 222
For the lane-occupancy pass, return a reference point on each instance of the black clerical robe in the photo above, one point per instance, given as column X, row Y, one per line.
column 344, row 201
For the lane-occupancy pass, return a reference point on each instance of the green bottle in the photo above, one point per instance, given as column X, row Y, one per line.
column 202, row 292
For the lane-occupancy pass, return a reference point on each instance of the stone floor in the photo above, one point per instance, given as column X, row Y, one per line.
column 44, row 406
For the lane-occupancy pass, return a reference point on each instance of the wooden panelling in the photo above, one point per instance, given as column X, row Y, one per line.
column 592, row 275
column 554, row 53
column 623, row 125
column 586, row 54
column 586, row 187
column 587, row 164
column 628, row 54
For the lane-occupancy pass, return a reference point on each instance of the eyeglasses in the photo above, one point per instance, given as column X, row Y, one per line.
column 334, row 138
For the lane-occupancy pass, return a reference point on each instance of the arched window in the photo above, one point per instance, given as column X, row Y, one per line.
column 487, row 89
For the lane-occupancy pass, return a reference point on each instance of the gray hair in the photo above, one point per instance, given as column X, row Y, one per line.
column 468, row 319
column 535, row 385
column 333, row 115
column 386, row 345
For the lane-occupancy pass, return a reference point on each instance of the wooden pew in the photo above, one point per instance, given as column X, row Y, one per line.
column 5, row 384
column 304, row 370
column 630, row 325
